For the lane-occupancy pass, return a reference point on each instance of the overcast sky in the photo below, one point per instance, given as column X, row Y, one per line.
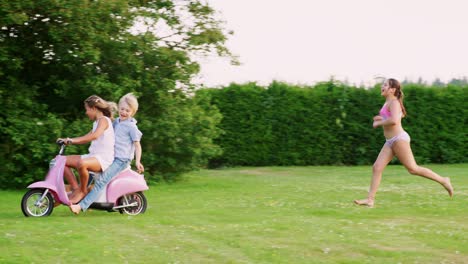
column 305, row 41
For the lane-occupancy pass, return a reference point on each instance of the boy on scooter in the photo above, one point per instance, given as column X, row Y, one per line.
column 127, row 146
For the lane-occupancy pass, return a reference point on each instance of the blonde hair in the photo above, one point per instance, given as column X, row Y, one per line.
column 107, row 108
column 132, row 102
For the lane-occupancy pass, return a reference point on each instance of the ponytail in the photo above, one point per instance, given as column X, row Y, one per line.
column 400, row 99
column 398, row 93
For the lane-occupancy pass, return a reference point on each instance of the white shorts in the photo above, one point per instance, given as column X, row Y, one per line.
column 105, row 162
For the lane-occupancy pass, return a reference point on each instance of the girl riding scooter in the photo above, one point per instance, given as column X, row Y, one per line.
column 127, row 145
column 123, row 193
column 101, row 151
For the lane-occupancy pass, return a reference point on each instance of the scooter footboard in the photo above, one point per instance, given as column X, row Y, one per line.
column 126, row 182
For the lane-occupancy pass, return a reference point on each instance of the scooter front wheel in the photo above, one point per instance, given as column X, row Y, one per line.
column 36, row 204
column 134, row 203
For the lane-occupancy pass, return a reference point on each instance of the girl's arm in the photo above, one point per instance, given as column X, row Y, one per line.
column 395, row 117
column 67, row 141
column 138, row 164
column 102, row 125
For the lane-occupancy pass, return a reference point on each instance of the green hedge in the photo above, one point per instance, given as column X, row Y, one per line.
column 331, row 123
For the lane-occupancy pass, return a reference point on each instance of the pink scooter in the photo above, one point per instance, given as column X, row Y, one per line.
column 124, row 193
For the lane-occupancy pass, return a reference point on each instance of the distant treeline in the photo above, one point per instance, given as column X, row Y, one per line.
column 437, row 82
column 331, row 123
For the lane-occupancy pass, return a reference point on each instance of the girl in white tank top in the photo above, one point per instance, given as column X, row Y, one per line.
column 102, row 148
column 101, row 151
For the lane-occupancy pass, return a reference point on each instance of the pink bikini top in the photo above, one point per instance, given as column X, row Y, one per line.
column 384, row 112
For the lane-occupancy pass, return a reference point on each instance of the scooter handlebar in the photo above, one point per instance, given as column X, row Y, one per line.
column 63, row 141
column 62, row 145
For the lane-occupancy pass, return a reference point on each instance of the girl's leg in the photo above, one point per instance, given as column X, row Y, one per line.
column 403, row 151
column 70, row 177
column 385, row 156
column 72, row 161
column 84, row 166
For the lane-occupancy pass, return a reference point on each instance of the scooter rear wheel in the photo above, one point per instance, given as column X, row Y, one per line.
column 140, row 203
column 31, row 205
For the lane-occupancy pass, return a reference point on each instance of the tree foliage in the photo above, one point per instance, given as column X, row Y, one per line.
column 54, row 54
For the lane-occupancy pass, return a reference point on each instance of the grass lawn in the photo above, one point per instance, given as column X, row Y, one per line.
column 257, row 215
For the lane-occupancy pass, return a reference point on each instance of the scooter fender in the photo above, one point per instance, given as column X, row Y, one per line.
column 54, row 182
column 43, row 185
column 126, row 182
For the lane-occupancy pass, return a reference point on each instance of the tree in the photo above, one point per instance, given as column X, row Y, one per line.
column 438, row 83
column 459, row 81
column 54, row 54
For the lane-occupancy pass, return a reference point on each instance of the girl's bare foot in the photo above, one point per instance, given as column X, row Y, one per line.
column 448, row 186
column 72, row 192
column 76, row 197
column 365, row 202
column 75, row 208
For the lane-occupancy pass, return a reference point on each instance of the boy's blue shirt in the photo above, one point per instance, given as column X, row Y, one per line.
column 126, row 132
